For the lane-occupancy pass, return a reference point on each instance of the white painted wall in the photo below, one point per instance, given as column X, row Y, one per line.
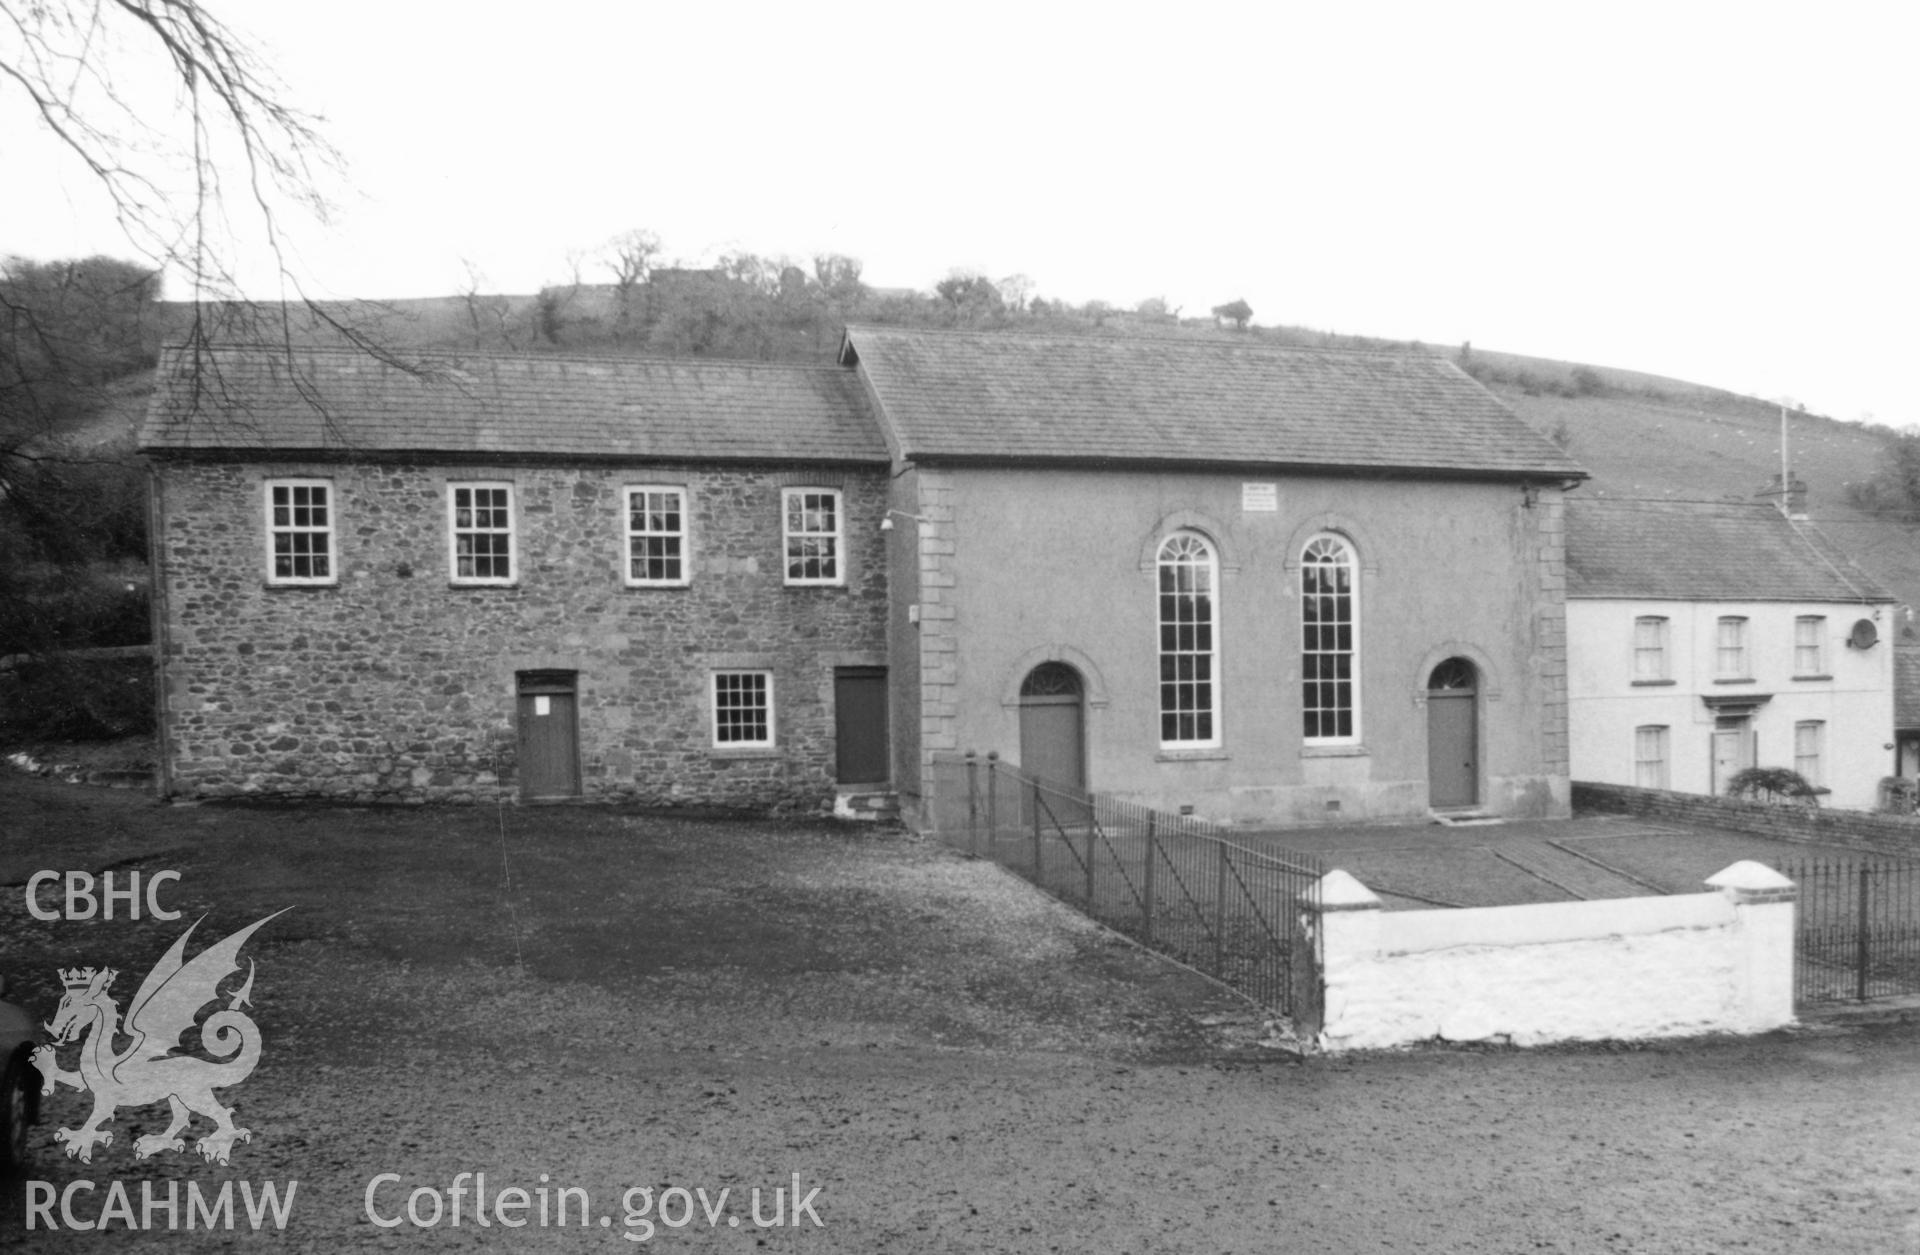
column 1605, row 704
column 1613, row 969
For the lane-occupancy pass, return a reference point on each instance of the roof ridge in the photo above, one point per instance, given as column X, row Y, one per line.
column 1686, row 501
column 1128, row 337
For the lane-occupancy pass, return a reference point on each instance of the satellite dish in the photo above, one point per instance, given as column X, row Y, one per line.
column 1864, row 635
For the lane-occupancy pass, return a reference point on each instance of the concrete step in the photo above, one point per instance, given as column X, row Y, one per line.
column 1467, row 818
column 870, row 805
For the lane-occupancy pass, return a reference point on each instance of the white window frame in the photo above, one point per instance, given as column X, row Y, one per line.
column 454, row 532
column 835, row 539
column 1310, row 649
column 714, row 708
column 1810, row 645
column 1651, row 652
column 1658, row 765
column 1810, row 751
column 1196, row 564
column 276, row 529
column 681, row 537
column 1736, row 653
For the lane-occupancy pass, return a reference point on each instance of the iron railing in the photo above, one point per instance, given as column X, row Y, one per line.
column 1175, row 883
column 1858, row 931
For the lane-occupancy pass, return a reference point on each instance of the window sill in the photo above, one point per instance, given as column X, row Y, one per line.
column 1335, row 751
column 1737, row 680
column 746, row 751
column 1814, row 678
column 1652, row 684
column 481, row 585
column 1212, row 755
column 290, row 586
column 658, row 586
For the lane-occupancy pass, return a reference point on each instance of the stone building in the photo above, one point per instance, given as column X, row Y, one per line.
column 525, row 576
column 1273, row 585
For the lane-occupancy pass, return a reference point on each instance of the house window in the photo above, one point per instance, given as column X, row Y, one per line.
column 813, row 536
column 1650, row 648
column 1809, row 645
column 1650, row 757
column 1730, row 649
column 1329, row 623
column 1809, row 743
column 300, row 532
column 742, row 709
column 656, row 537
column 481, row 533
column 1188, row 575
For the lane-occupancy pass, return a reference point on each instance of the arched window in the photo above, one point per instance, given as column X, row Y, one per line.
column 1189, row 574
column 1051, row 679
column 1329, row 627
column 1452, row 675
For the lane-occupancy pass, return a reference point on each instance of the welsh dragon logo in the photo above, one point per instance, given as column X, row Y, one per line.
column 150, row 1067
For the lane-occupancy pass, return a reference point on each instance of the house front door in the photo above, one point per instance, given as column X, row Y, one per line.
column 549, row 735
column 1453, row 735
column 1732, row 749
column 860, row 725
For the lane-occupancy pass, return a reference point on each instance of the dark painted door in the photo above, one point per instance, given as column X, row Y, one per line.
column 549, row 735
column 860, row 725
column 1453, row 735
column 1052, row 727
column 1050, row 741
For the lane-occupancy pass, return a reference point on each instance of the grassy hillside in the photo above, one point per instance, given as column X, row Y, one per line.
column 1684, row 442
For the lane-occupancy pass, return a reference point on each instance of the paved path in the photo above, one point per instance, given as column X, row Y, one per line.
column 1421, row 865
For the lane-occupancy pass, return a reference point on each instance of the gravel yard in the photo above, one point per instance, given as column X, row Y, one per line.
column 655, row 1007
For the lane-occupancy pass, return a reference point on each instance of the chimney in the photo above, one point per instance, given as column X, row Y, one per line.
column 1793, row 501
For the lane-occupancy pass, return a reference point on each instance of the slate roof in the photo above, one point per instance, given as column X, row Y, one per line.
column 962, row 396
column 255, row 399
column 1705, row 551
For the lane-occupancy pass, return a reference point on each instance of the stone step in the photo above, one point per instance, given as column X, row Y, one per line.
column 871, row 805
column 1465, row 818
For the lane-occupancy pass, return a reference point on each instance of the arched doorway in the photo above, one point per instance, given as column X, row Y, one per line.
column 1453, row 734
column 1053, row 744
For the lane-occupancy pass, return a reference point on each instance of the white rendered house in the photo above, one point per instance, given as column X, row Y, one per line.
column 1706, row 637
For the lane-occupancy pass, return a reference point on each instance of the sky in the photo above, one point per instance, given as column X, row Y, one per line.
column 1723, row 193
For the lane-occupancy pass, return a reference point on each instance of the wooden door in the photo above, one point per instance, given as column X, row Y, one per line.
column 549, row 735
column 1053, row 743
column 1453, row 735
column 860, row 725
column 1051, row 731
column 1732, row 750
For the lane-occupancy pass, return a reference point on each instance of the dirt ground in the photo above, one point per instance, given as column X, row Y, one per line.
column 627, row 1002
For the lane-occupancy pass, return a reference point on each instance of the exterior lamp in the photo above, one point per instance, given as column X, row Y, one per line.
column 886, row 522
